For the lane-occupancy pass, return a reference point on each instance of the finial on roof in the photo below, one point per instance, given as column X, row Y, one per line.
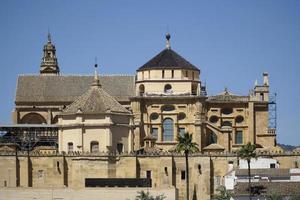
column 96, row 81
column 226, row 90
column 256, row 83
column 168, row 45
column 49, row 37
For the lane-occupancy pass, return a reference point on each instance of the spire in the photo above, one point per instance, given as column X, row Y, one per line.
column 96, row 82
column 168, row 45
column 49, row 37
column 49, row 64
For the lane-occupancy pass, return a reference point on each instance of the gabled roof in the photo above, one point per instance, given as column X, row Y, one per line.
column 95, row 101
column 168, row 59
column 61, row 89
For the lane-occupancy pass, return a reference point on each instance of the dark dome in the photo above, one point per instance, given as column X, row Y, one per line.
column 168, row 59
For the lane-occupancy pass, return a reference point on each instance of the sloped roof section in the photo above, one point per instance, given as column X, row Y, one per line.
column 95, row 101
column 58, row 89
column 214, row 147
column 227, row 97
column 168, row 59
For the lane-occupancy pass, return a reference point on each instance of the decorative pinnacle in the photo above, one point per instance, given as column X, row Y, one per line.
column 226, row 90
column 168, row 45
column 49, row 37
column 96, row 81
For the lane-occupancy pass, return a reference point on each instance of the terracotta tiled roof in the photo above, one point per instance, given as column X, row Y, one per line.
column 95, row 101
column 268, row 188
column 168, row 59
column 39, row 89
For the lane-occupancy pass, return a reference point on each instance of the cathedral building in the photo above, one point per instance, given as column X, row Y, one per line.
column 73, row 132
column 127, row 113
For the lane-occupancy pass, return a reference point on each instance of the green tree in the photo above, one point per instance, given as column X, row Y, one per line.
column 186, row 145
column 247, row 152
column 146, row 196
column 223, row 194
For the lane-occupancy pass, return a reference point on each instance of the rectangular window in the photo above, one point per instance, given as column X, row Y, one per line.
column 182, row 175
column 186, row 73
column 272, row 165
column 148, row 174
column 181, row 131
column 154, row 132
column 239, row 137
column 94, row 147
column 262, row 96
column 172, row 73
column 163, row 73
column 120, row 147
column 70, row 146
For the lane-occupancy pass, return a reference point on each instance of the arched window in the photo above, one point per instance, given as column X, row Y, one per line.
column 226, row 123
column 141, row 90
column 94, row 147
column 213, row 138
column 70, row 146
column 33, row 118
column 168, row 88
column 168, row 134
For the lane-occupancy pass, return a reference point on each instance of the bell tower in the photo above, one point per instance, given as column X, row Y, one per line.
column 49, row 65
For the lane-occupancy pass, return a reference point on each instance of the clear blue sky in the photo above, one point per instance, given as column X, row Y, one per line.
column 232, row 42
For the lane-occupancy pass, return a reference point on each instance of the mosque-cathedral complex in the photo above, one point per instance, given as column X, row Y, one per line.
column 71, row 130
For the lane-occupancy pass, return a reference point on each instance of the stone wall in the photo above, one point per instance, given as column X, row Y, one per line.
column 206, row 171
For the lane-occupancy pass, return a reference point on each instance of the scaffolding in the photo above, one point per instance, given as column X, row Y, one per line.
column 28, row 136
column 272, row 112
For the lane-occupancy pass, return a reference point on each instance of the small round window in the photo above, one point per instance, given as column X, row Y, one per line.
column 239, row 119
column 154, row 116
column 181, row 116
column 227, row 111
column 168, row 88
column 214, row 119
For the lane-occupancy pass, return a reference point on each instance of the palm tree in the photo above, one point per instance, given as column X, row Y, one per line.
column 247, row 152
column 147, row 196
column 186, row 145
